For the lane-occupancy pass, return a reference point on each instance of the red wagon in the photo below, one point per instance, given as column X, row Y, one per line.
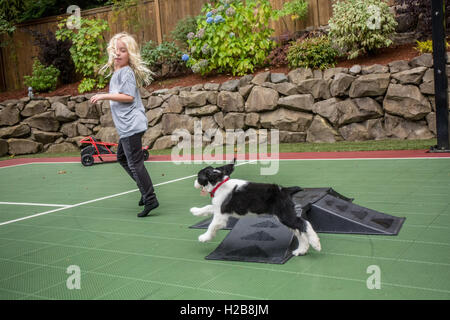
column 101, row 150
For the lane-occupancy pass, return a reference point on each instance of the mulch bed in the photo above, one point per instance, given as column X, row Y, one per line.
column 383, row 57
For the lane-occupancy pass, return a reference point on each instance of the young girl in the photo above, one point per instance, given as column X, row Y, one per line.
column 128, row 113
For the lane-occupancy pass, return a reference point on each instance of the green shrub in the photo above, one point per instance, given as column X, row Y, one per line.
column 231, row 37
column 164, row 59
column 88, row 50
column 315, row 53
column 43, row 78
column 182, row 29
column 361, row 26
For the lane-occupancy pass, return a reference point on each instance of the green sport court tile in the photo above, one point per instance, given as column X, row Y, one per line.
column 158, row 257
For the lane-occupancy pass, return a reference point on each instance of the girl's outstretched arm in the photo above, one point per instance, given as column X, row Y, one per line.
column 119, row 97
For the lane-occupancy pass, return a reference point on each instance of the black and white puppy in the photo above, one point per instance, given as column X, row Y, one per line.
column 235, row 197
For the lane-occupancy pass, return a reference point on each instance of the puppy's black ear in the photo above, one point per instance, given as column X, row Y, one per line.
column 227, row 169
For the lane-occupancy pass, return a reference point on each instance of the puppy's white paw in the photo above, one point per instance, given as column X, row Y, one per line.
column 299, row 252
column 204, row 237
column 315, row 243
column 195, row 211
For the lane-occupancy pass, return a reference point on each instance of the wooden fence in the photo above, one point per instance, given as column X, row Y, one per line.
column 151, row 20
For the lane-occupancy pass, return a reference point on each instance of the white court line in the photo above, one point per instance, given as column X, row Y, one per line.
column 98, row 199
column 36, row 204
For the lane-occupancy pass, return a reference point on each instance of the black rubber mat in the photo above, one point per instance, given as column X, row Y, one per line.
column 256, row 239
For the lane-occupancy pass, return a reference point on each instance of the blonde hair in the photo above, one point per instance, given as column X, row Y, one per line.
column 142, row 72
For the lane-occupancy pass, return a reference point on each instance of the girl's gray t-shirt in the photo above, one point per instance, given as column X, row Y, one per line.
column 129, row 118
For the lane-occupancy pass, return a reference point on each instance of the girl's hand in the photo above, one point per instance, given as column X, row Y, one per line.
column 98, row 97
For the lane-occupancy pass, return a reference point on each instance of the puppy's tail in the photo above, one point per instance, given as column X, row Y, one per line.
column 291, row 190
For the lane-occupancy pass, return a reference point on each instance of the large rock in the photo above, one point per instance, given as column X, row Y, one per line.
column 23, row 146
column 370, row 85
column 88, row 110
column 45, row 137
column 368, row 108
column 399, row 128
column 173, row 105
column 234, row 120
column 63, row 147
column 252, row 119
column 209, row 109
column 300, row 74
column 45, row 121
column 108, row 135
column 69, row 129
column 152, row 134
column 319, row 88
column 406, row 101
column 164, row 142
column 301, row 102
column 424, row 60
column 375, row 128
column 230, row 101
column 35, row 107
column 332, row 72
column 171, row 122
column 261, row 99
column 285, row 88
column 411, row 76
column 196, row 98
column 154, row 115
column 106, row 120
column 374, row 68
column 260, row 78
column 292, row 137
column 154, row 102
column 321, row 131
column 328, row 109
column 398, row 66
column 341, row 84
column 354, row 132
column 20, row 130
column 286, row 120
column 10, row 115
column 62, row 113
column 231, row 85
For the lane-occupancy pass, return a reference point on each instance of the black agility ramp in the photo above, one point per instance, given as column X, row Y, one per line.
column 264, row 239
column 330, row 212
column 256, row 239
column 205, row 223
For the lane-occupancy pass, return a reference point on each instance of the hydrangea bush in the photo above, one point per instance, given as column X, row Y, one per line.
column 361, row 26
column 231, row 37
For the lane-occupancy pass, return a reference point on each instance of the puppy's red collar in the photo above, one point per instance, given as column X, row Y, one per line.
column 217, row 187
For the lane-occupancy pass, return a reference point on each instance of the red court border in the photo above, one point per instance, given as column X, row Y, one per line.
column 388, row 154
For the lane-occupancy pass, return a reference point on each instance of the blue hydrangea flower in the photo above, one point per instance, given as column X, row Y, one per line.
column 210, row 20
column 209, row 14
column 185, row 57
column 218, row 19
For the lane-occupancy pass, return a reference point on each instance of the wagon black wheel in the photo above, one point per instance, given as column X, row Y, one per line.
column 87, row 160
column 146, row 154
